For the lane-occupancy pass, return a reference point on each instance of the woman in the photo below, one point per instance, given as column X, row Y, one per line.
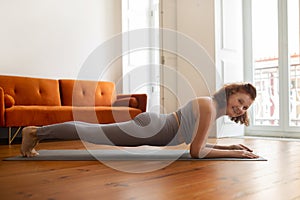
column 190, row 125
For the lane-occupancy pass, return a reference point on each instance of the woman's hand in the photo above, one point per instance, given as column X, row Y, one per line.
column 243, row 154
column 240, row 147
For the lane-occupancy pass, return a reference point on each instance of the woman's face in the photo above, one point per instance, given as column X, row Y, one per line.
column 238, row 104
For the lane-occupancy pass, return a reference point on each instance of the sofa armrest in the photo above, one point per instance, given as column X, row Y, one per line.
column 140, row 103
column 2, row 107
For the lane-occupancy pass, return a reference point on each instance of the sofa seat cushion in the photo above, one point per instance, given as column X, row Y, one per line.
column 44, row 115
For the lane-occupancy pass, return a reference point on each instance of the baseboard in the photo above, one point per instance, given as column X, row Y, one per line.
column 295, row 139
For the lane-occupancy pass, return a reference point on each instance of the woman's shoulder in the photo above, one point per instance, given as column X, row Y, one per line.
column 204, row 100
column 205, row 104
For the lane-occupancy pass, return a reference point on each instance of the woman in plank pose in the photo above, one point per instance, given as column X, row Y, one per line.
column 190, row 124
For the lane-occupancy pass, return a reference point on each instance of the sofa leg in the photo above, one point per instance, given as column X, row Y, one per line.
column 12, row 136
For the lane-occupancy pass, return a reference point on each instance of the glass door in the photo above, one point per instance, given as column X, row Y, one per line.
column 294, row 63
column 141, row 71
column 275, row 65
column 265, row 62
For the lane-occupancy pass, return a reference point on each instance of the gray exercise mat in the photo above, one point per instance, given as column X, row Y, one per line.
column 118, row 155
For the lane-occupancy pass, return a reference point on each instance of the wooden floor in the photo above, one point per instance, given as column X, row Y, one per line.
column 277, row 178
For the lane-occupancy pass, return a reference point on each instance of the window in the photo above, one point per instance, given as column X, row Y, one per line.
column 265, row 61
column 294, row 62
column 274, row 51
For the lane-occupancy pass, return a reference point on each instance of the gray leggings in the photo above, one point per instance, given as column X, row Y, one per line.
column 145, row 129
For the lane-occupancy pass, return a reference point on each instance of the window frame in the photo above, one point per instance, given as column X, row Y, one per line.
column 284, row 129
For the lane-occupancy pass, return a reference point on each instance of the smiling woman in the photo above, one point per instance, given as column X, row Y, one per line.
column 236, row 98
column 190, row 124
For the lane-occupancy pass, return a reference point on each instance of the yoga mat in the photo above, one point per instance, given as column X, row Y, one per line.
column 118, row 155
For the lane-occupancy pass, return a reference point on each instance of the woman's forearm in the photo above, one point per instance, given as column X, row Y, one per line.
column 209, row 152
column 217, row 146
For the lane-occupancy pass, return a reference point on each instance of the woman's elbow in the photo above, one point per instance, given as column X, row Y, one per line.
column 200, row 152
column 195, row 152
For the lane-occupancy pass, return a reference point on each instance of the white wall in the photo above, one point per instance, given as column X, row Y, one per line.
column 52, row 38
column 193, row 19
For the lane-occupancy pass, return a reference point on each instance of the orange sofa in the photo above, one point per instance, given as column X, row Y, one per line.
column 26, row 101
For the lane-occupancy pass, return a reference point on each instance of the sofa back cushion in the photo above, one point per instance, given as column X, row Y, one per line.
column 87, row 93
column 31, row 91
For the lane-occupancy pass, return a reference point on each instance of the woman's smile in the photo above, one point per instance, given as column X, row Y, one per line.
column 237, row 111
column 238, row 104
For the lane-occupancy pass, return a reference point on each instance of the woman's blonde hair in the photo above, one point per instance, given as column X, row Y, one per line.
column 222, row 96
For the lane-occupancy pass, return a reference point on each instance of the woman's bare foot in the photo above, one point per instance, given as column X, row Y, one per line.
column 29, row 141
